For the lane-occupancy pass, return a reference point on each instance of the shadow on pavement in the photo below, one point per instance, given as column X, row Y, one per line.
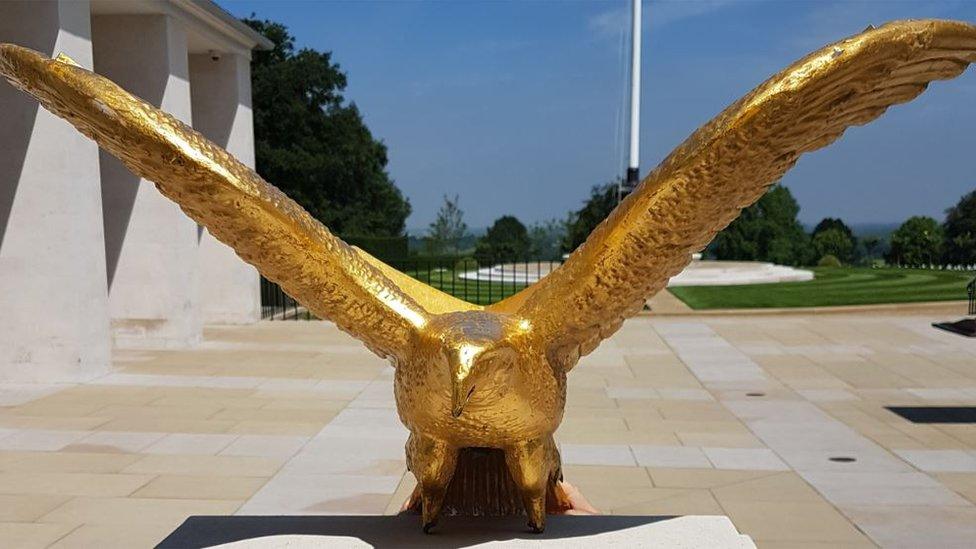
column 390, row 531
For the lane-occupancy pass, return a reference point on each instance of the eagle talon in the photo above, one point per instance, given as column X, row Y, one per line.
column 429, row 526
column 536, row 529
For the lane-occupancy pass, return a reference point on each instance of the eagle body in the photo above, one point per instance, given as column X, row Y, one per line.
column 477, row 381
column 482, row 389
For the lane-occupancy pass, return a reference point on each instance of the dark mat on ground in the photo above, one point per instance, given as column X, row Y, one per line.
column 966, row 327
column 393, row 531
column 936, row 414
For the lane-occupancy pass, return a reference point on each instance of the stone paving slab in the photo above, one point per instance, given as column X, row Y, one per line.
column 751, row 417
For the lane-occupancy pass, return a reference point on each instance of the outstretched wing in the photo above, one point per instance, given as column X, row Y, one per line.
column 727, row 165
column 264, row 227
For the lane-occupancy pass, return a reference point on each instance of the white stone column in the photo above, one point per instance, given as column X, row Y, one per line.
column 150, row 244
column 221, row 97
column 54, row 312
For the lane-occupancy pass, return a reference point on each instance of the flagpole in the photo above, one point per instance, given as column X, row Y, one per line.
column 633, row 164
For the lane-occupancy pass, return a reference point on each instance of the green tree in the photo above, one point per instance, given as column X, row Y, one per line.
column 960, row 232
column 506, row 240
column 546, row 239
column 918, row 241
column 870, row 249
column 834, row 242
column 602, row 201
column 832, row 223
column 314, row 146
column 445, row 233
column 766, row 231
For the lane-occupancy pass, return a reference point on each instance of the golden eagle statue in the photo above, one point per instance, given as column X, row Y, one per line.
column 482, row 389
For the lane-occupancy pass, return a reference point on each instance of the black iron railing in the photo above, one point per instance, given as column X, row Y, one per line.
column 971, row 288
column 277, row 305
column 482, row 283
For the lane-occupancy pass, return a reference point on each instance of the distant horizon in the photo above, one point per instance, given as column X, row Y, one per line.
column 518, row 106
column 860, row 229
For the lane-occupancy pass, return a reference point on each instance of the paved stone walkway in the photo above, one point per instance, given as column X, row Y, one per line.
column 737, row 416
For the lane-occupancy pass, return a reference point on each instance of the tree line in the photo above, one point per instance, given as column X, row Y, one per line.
column 770, row 230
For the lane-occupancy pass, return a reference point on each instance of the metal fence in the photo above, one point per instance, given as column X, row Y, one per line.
column 480, row 283
column 971, row 288
column 277, row 305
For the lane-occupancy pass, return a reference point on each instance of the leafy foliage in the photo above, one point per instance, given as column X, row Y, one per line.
column 835, row 243
column 832, row 223
column 314, row 146
column 507, row 239
column 766, row 231
column 546, row 239
column 918, row 241
column 829, row 260
column 870, row 248
column 602, row 201
column 960, row 232
column 445, row 233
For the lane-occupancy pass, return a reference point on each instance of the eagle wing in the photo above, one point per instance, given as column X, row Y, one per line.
column 724, row 167
column 363, row 296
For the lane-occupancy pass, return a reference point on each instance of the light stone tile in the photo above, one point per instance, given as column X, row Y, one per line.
column 191, row 444
column 701, row 478
column 90, row 536
column 782, row 486
column 40, row 439
column 201, row 487
column 862, row 488
column 826, row 395
column 867, row 459
column 636, row 393
column 911, row 527
column 69, row 462
column 28, row 507
column 345, row 462
column 293, row 494
column 670, row 456
column 127, row 511
column 15, row 394
column 796, row 521
column 31, row 535
column 597, row 454
column 71, row 484
column 327, row 443
column 608, row 476
column 114, row 441
column 265, row 445
column 280, row 428
column 720, row 440
column 940, row 461
column 685, row 394
column 762, row 459
column 946, row 394
column 397, row 433
column 281, row 384
column 201, row 465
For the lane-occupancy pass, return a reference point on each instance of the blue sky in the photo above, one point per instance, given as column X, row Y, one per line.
column 516, row 105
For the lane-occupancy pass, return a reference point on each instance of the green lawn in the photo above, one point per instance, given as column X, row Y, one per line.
column 472, row 291
column 834, row 286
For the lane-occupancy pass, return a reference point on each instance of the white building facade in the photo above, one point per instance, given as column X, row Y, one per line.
column 92, row 257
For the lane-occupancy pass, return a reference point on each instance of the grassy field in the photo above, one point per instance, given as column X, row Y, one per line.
column 473, row 291
column 834, row 286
